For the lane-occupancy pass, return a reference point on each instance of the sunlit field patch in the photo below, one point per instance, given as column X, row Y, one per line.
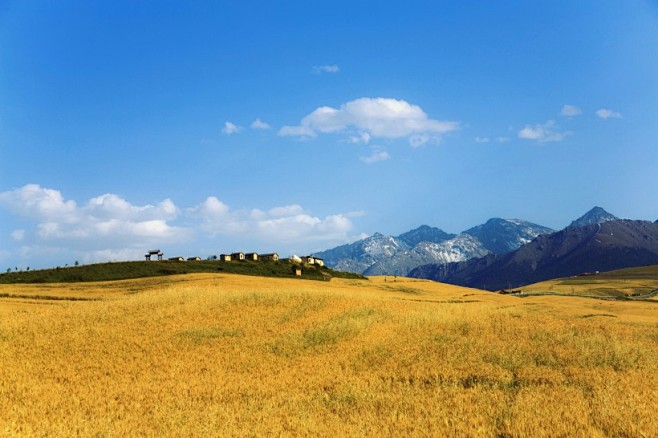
column 212, row 354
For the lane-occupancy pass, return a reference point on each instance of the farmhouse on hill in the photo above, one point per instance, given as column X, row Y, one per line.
column 237, row 256
column 251, row 256
column 313, row 260
column 225, row 257
column 270, row 256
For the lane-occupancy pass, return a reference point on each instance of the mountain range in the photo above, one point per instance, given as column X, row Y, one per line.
column 398, row 255
column 604, row 246
column 504, row 253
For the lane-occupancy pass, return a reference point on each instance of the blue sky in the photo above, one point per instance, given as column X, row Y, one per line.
column 208, row 127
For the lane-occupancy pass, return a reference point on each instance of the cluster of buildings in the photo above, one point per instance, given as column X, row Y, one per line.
column 240, row 256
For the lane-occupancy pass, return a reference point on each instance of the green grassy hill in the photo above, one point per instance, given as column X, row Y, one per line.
column 140, row 269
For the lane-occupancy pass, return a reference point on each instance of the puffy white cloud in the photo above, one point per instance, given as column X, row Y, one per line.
column 107, row 220
column 212, row 208
column 329, row 68
column 112, row 206
column 108, row 227
column 570, row 111
column 375, row 156
column 289, row 224
column 259, row 124
column 376, row 117
column 607, row 114
column 543, row 132
column 34, row 202
column 231, row 128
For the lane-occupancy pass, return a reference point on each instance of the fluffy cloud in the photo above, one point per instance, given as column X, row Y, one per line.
column 607, row 114
column 107, row 220
column 543, row 133
column 231, row 128
column 290, row 224
column 376, row 117
column 114, row 207
column 259, row 124
column 108, row 227
column 331, row 68
column 570, row 111
column 375, row 156
column 34, row 202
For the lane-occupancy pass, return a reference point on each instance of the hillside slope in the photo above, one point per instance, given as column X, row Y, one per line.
column 142, row 269
column 232, row 355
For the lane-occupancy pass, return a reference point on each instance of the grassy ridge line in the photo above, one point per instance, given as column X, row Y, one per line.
column 141, row 269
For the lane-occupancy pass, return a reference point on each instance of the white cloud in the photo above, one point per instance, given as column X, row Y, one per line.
column 375, row 156
column 108, row 220
column 330, row 68
column 482, row 139
column 231, row 128
column 115, row 207
column 376, row 117
column 297, row 131
column 34, row 202
column 570, row 111
column 543, row 133
column 607, row 114
column 108, row 227
column 289, row 224
column 259, row 124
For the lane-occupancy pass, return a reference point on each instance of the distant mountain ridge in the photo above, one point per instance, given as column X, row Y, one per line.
column 381, row 255
column 604, row 246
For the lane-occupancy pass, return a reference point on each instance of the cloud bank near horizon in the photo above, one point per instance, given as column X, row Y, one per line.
column 108, row 227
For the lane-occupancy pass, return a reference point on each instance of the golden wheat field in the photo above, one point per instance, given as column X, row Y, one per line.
column 229, row 355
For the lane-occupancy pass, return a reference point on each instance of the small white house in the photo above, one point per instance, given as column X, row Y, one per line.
column 251, row 256
column 237, row 256
column 271, row 256
column 225, row 257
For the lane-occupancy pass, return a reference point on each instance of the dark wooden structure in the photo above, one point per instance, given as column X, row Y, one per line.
column 154, row 252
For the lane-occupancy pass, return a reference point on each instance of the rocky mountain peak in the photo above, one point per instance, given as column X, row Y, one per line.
column 596, row 215
column 424, row 233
